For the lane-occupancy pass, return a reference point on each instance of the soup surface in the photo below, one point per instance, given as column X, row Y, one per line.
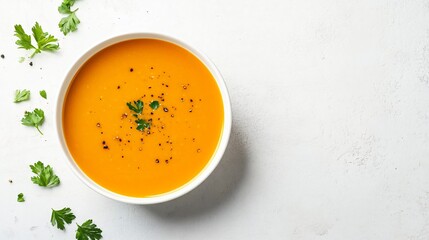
column 142, row 117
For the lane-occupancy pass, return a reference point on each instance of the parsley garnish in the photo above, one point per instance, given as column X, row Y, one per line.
column 34, row 119
column 142, row 124
column 59, row 217
column 69, row 23
column 22, row 95
column 45, row 41
column 43, row 94
column 45, row 175
column 88, row 231
column 138, row 108
column 21, row 198
column 154, row 105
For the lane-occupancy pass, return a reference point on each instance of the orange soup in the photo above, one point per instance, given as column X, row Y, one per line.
column 143, row 117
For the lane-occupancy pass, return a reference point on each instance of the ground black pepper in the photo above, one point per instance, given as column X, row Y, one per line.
column 31, row 64
column 165, row 109
column 2, row 56
column 131, row 69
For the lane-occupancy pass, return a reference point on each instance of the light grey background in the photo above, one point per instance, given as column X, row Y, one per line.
column 331, row 120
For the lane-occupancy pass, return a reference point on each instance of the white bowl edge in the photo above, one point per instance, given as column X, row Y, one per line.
column 197, row 180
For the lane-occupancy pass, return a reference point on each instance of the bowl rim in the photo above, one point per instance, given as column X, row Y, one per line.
column 194, row 182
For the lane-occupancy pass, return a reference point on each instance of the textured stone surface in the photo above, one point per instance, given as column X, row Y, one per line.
column 331, row 120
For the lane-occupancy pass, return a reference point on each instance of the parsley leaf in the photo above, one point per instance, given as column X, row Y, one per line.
column 45, row 175
column 58, row 217
column 88, row 231
column 65, row 6
column 43, row 94
column 21, row 198
column 138, row 108
column 154, row 105
column 69, row 23
column 34, row 119
column 24, row 40
column 45, row 42
column 142, row 124
column 22, row 95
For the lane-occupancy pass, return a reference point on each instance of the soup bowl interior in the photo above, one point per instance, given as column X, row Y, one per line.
column 199, row 178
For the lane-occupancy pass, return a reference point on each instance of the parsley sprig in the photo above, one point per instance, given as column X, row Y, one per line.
column 45, row 41
column 69, row 23
column 59, row 217
column 137, row 107
column 45, row 175
column 142, row 124
column 88, row 231
column 22, row 95
column 34, row 119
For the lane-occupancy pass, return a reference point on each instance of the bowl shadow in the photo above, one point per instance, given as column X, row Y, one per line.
column 219, row 188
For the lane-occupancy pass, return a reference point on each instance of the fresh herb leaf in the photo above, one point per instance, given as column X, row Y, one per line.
column 21, row 198
column 154, row 105
column 59, row 217
column 45, row 41
column 65, row 6
column 69, row 23
column 138, row 108
column 34, row 119
column 88, row 231
column 21, row 59
column 43, row 94
column 142, row 124
column 24, row 40
column 45, row 175
column 22, row 95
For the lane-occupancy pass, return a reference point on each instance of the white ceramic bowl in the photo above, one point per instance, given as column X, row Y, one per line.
column 208, row 169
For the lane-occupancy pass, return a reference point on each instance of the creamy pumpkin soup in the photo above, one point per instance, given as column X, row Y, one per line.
column 142, row 117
